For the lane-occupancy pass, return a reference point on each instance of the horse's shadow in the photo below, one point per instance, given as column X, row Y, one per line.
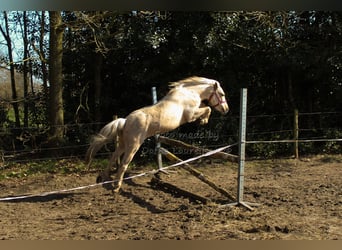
column 143, row 202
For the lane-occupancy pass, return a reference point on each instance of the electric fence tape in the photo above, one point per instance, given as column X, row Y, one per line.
column 11, row 198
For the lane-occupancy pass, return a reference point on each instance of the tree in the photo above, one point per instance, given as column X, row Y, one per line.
column 56, row 109
column 25, row 69
column 6, row 34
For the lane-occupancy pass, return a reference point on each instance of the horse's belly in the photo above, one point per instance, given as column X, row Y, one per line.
column 170, row 121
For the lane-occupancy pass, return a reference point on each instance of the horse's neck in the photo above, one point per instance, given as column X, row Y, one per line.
column 189, row 93
column 202, row 90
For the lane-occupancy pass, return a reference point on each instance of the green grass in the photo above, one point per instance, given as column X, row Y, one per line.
column 19, row 170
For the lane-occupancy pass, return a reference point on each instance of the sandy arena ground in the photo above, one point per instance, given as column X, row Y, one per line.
column 300, row 199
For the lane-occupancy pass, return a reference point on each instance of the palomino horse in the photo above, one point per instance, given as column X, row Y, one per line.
column 182, row 104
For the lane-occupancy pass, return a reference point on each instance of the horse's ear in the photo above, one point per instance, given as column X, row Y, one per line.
column 215, row 86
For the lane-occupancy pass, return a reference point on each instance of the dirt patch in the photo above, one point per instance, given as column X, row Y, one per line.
column 300, row 199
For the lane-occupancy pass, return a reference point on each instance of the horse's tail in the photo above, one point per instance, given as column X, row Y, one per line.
column 107, row 134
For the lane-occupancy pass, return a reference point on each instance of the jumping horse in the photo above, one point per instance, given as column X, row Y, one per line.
column 184, row 103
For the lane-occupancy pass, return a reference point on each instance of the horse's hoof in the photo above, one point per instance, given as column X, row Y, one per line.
column 203, row 121
column 103, row 177
column 99, row 179
column 115, row 196
column 106, row 180
column 116, row 190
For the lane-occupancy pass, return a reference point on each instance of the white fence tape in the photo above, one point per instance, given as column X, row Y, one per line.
column 12, row 198
column 292, row 141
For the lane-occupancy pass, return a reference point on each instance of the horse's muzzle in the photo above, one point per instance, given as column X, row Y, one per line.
column 224, row 108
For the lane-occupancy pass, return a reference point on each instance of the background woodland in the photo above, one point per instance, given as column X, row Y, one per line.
column 66, row 74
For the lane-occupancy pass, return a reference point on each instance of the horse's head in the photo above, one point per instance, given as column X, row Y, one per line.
column 209, row 90
column 217, row 99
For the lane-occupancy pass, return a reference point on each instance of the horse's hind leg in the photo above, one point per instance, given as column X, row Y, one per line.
column 105, row 175
column 127, row 158
column 115, row 159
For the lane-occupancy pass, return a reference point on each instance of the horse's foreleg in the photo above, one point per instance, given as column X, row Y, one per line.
column 202, row 114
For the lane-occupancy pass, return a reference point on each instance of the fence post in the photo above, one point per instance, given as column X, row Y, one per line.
column 242, row 143
column 242, row 146
column 159, row 155
column 295, row 133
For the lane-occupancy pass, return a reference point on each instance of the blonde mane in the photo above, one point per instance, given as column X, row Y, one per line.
column 191, row 81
